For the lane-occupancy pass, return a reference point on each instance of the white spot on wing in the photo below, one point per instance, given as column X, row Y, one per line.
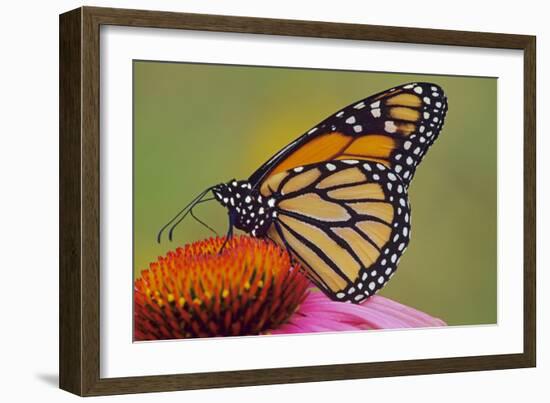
column 350, row 120
column 390, row 127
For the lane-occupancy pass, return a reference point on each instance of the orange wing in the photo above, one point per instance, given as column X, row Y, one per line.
column 395, row 127
column 347, row 222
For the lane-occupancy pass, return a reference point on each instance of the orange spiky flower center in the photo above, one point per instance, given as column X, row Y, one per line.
column 252, row 286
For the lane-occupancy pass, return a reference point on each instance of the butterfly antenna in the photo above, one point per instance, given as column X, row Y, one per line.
column 190, row 211
column 182, row 211
column 199, row 220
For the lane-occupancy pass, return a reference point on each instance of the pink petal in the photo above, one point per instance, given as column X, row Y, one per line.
column 318, row 313
column 404, row 310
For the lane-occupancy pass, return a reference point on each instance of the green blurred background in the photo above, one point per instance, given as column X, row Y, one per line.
column 197, row 125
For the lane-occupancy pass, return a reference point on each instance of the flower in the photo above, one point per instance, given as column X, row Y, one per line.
column 198, row 291
column 250, row 287
column 318, row 313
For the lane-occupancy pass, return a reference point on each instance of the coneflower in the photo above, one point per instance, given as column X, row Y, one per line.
column 196, row 291
column 252, row 287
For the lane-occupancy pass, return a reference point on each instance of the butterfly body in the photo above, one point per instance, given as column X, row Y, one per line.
column 248, row 210
column 336, row 197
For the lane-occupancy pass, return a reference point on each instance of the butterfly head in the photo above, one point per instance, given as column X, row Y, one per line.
column 248, row 210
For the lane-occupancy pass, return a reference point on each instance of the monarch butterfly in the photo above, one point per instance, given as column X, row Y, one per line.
column 336, row 197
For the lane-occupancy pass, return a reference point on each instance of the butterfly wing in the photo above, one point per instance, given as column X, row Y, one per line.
column 395, row 128
column 346, row 221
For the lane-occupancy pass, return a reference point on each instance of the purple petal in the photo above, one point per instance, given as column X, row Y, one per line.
column 318, row 313
column 414, row 315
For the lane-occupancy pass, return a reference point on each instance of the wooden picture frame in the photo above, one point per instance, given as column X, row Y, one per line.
column 80, row 215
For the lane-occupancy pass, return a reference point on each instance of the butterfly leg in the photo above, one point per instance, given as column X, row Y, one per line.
column 229, row 234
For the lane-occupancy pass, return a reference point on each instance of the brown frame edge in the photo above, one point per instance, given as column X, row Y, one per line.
column 79, row 362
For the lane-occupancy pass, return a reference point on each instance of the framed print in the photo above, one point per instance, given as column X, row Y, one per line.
column 250, row 201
